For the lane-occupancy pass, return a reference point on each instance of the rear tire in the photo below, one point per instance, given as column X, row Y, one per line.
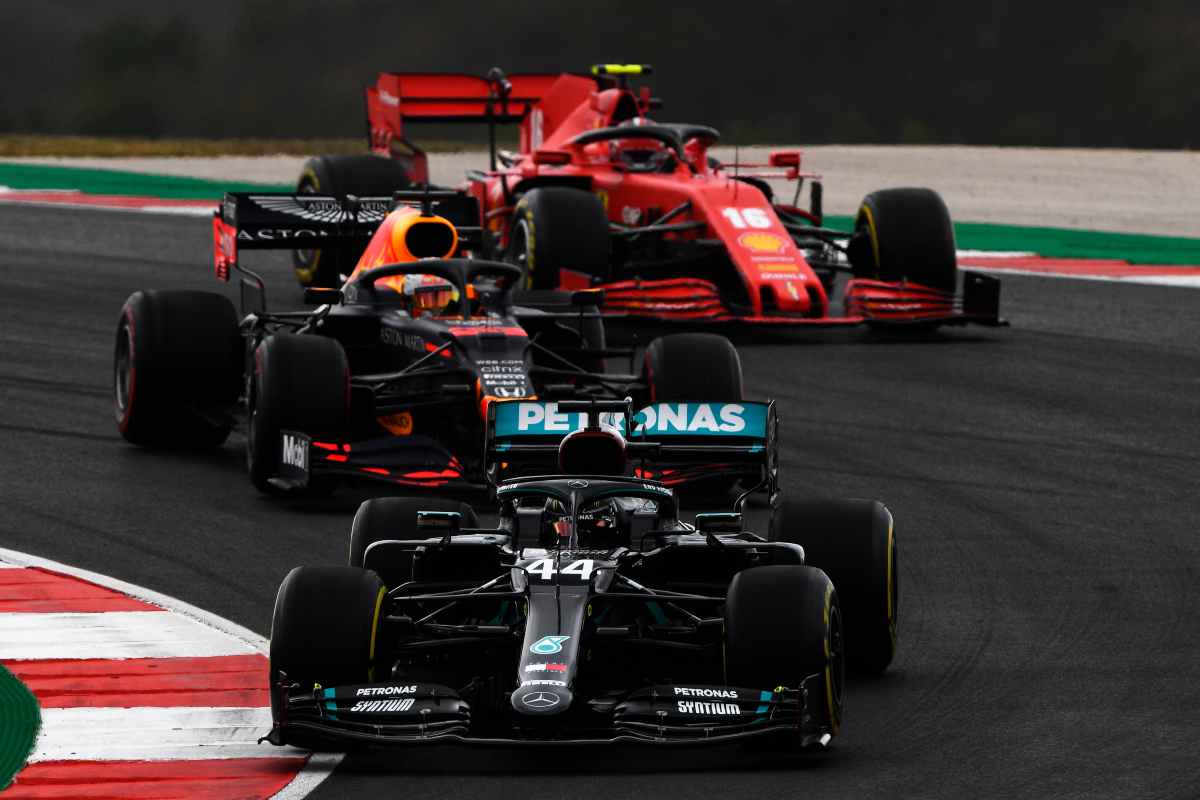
column 301, row 383
column 905, row 235
column 559, row 227
column 854, row 542
column 396, row 518
column 323, row 630
column 178, row 355
column 783, row 624
column 692, row 367
column 360, row 175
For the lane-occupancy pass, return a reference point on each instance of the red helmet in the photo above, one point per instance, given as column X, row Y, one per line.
column 592, row 451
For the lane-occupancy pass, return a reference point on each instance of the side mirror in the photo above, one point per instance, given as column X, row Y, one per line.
column 719, row 522
column 784, row 158
column 587, row 297
column 551, row 158
column 321, row 295
column 446, row 523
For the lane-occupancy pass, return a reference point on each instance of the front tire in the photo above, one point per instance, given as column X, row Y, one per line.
column 323, row 630
column 177, row 364
column 905, row 235
column 854, row 542
column 301, row 383
column 782, row 625
column 558, row 227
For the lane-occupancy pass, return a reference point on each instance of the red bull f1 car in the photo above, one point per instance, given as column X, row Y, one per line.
column 601, row 195
column 592, row 612
column 391, row 378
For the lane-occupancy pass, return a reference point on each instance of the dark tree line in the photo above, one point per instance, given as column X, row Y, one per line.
column 1066, row 73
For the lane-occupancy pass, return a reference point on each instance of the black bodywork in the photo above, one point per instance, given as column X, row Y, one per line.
column 418, row 385
column 605, row 641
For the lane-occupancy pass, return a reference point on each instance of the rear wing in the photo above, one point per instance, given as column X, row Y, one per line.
column 401, row 97
column 283, row 221
column 675, row 443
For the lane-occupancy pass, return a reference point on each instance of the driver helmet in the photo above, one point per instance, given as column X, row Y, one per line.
column 596, row 525
column 428, row 294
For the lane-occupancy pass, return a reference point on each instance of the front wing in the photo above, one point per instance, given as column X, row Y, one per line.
column 865, row 302
column 664, row 715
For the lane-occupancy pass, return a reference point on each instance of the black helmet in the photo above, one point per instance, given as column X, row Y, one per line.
column 592, row 451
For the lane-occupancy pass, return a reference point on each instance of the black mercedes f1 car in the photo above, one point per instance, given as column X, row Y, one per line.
column 592, row 613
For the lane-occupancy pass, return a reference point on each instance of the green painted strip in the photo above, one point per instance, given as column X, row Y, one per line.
column 1047, row 242
column 19, row 722
column 1136, row 248
column 108, row 181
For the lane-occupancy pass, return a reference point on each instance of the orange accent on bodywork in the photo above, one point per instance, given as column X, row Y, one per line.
column 400, row 424
column 388, row 245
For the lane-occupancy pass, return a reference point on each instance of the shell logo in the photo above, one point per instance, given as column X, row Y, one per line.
column 761, row 242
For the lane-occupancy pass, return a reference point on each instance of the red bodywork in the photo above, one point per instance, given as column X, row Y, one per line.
column 767, row 279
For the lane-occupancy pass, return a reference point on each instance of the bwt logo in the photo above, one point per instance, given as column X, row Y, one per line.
column 295, row 451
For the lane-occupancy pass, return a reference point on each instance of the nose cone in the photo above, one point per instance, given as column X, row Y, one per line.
column 538, row 699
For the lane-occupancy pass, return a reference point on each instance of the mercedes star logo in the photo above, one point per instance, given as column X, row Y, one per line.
column 539, row 700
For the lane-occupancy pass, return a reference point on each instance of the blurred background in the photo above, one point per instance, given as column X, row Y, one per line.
column 1062, row 73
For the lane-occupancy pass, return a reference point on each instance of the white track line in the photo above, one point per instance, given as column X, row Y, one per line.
column 154, row 734
column 1182, row 281
column 112, row 634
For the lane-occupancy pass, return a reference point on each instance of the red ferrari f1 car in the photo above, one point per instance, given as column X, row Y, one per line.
column 599, row 195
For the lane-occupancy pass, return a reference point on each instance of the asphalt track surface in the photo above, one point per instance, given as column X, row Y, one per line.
column 1043, row 477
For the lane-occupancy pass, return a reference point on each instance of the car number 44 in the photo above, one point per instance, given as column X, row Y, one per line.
column 545, row 568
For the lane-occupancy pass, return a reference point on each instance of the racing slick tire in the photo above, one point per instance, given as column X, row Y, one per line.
column 854, row 542
column 361, row 175
column 323, row 631
column 783, row 624
column 692, row 367
column 905, row 234
column 590, row 327
column 300, row 383
column 396, row 518
column 557, row 227
column 177, row 365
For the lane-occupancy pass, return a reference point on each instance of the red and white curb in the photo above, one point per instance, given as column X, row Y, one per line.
column 72, row 198
column 1089, row 269
column 141, row 695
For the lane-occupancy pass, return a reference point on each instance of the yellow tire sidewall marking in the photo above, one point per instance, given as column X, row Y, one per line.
column 873, row 232
column 374, row 629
